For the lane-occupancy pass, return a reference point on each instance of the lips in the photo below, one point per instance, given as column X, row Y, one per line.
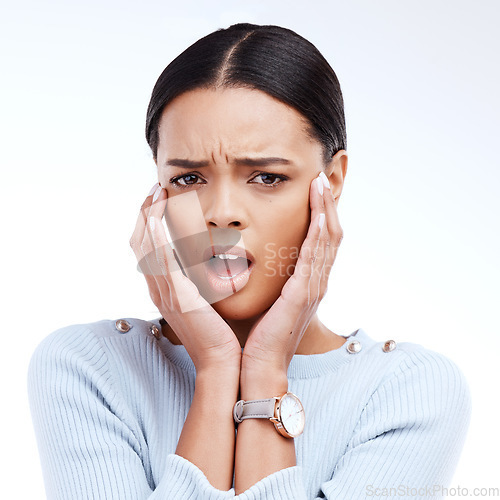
column 228, row 266
column 213, row 250
column 227, row 275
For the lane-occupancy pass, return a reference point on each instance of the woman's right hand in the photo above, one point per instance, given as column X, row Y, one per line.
column 208, row 339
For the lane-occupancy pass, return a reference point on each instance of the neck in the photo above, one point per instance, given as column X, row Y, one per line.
column 243, row 327
column 316, row 339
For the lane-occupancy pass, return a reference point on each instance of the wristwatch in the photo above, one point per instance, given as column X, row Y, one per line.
column 286, row 412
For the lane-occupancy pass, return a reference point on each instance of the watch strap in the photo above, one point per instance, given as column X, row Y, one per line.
column 257, row 408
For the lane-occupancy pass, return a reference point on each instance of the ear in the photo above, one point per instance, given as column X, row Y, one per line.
column 336, row 172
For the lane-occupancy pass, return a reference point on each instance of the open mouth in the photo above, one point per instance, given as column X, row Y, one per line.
column 227, row 266
column 228, row 269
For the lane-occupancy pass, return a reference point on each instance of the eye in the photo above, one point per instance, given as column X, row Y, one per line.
column 186, row 180
column 271, row 180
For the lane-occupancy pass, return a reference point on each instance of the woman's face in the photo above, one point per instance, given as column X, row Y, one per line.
column 237, row 166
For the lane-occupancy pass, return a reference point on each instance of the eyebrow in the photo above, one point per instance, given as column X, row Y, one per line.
column 244, row 162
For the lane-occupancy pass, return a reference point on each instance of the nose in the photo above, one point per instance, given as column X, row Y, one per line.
column 225, row 207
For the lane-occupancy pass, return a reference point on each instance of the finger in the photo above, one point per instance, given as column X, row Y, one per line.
column 316, row 201
column 153, row 200
column 176, row 290
column 322, row 238
column 136, row 242
column 320, row 258
column 335, row 230
column 139, row 230
column 335, row 234
column 138, row 233
column 163, row 253
column 158, row 252
column 157, row 205
column 154, row 236
column 308, row 268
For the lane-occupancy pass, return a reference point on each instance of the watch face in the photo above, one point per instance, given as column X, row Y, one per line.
column 291, row 414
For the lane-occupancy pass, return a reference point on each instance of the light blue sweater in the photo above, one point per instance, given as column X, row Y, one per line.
column 108, row 409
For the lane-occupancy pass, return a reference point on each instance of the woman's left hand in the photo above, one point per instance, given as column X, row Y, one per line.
column 274, row 339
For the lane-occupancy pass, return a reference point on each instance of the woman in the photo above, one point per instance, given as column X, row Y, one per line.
column 248, row 133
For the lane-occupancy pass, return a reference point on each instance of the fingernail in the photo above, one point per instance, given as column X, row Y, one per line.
column 153, row 189
column 321, row 220
column 319, row 184
column 324, row 178
column 157, row 193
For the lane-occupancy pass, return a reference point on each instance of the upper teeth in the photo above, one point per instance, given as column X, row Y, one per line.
column 226, row 256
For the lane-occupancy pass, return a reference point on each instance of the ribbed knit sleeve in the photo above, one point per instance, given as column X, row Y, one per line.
column 90, row 446
column 409, row 436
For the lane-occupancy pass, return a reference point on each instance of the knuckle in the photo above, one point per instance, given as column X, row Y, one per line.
column 162, row 267
column 307, row 255
column 301, row 297
column 143, row 267
column 324, row 236
column 155, row 265
column 337, row 237
column 145, row 247
column 155, row 297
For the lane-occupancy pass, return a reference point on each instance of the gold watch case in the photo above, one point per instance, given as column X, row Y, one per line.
column 280, row 419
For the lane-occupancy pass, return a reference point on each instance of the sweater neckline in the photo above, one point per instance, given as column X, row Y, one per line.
column 301, row 365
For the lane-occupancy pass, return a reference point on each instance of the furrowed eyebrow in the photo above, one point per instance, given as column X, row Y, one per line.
column 178, row 162
column 243, row 162
column 261, row 162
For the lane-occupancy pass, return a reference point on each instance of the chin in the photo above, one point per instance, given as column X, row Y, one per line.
column 250, row 302
column 244, row 306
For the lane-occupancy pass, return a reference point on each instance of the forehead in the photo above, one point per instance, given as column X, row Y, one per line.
column 234, row 121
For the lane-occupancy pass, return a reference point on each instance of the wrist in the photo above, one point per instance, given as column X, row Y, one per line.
column 218, row 377
column 217, row 366
column 217, row 388
column 262, row 382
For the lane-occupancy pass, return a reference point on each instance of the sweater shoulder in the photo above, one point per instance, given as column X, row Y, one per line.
column 421, row 377
column 403, row 357
column 407, row 371
column 415, row 357
column 87, row 340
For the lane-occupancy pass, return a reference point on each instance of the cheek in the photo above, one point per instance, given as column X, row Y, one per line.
column 286, row 235
column 294, row 220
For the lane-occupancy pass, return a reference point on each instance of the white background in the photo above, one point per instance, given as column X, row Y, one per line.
column 420, row 207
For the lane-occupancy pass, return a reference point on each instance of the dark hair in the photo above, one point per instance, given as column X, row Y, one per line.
column 269, row 58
